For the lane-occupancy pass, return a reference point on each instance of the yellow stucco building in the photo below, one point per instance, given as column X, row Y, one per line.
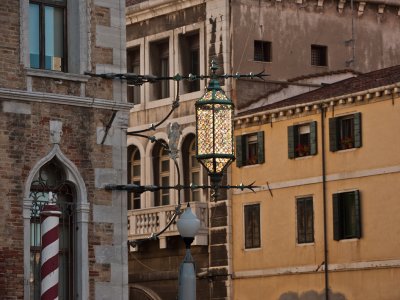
column 324, row 222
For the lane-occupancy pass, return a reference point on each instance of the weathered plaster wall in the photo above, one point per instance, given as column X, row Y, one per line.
column 293, row 27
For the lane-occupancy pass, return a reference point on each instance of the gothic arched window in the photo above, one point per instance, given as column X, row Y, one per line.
column 50, row 185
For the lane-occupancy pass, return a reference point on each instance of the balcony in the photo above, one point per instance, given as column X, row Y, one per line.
column 144, row 222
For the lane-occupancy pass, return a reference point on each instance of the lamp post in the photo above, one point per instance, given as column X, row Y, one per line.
column 188, row 225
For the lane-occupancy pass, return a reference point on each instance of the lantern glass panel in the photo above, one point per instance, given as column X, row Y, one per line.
column 205, row 133
column 223, row 129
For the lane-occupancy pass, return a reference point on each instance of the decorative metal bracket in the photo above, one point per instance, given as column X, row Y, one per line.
column 138, row 80
column 154, row 188
column 133, row 79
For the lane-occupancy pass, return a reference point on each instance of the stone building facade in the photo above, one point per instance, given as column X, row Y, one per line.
column 300, row 44
column 62, row 137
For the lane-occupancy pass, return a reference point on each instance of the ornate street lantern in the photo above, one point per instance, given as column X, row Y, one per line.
column 214, row 129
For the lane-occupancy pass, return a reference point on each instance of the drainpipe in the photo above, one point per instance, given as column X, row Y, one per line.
column 323, row 113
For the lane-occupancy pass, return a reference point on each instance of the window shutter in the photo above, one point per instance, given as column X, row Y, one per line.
column 357, row 213
column 260, row 147
column 291, row 145
column 336, row 217
column 313, row 138
column 333, row 133
column 239, row 151
column 357, row 130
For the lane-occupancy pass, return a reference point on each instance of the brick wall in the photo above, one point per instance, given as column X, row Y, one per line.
column 11, row 72
column 25, row 140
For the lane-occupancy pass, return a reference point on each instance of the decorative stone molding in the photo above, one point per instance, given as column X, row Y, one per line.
column 341, row 5
column 320, row 3
column 387, row 92
column 55, row 131
column 381, row 8
column 361, row 8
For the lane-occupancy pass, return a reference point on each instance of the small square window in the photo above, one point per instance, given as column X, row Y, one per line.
column 250, row 149
column 305, row 220
column 252, row 235
column 345, row 132
column 302, row 140
column 262, row 51
column 319, row 55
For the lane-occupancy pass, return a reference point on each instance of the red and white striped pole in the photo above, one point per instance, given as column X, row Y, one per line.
column 49, row 225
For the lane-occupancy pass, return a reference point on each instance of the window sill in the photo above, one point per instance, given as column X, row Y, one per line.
column 305, row 244
column 320, row 66
column 348, row 240
column 56, row 75
column 251, row 166
column 303, row 157
column 347, row 150
column 251, row 249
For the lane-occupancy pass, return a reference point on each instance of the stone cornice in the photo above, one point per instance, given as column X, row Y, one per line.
column 19, row 95
column 150, row 9
column 272, row 115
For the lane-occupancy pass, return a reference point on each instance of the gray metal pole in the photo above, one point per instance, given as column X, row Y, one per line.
column 187, row 278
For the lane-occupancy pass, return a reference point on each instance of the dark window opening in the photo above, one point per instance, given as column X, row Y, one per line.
column 262, row 51
column 161, row 173
column 319, row 55
column 133, row 66
column 252, row 226
column 134, row 172
column 305, row 220
column 191, row 168
column 189, row 51
column 347, row 215
column 159, row 66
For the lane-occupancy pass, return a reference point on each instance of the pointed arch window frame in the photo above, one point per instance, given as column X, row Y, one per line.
column 81, row 221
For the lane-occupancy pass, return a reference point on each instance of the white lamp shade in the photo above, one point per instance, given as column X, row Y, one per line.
column 188, row 224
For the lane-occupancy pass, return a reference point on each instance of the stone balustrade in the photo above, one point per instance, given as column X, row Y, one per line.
column 142, row 223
